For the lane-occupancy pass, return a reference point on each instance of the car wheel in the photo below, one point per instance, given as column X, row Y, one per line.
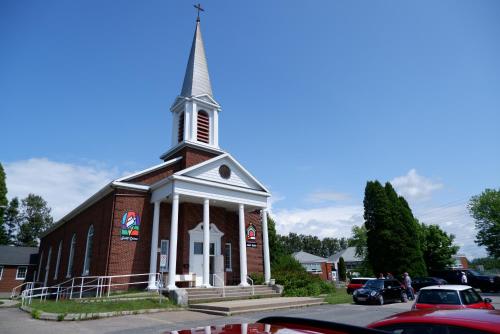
column 380, row 300
column 355, row 300
column 404, row 297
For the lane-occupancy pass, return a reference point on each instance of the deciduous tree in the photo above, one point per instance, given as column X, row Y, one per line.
column 34, row 219
column 485, row 208
column 437, row 247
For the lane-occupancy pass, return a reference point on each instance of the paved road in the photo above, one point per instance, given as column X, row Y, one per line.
column 15, row 321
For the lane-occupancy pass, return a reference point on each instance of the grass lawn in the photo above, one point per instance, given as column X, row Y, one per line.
column 1, row 302
column 339, row 297
column 70, row 306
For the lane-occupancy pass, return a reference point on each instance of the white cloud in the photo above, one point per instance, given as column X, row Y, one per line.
column 326, row 196
column 332, row 221
column 64, row 186
column 414, row 186
column 455, row 220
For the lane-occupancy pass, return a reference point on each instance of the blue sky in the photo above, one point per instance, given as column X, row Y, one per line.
column 318, row 97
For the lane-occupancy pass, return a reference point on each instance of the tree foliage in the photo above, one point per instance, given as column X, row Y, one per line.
column 4, row 238
column 437, row 247
column 485, row 209
column 34, row 218
column 488, row 263
column 326, row 247
column 12, row 220
column 342, row 269
column 393, row 243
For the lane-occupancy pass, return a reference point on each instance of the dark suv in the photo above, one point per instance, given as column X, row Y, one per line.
column 378, row 291
column 474, row 279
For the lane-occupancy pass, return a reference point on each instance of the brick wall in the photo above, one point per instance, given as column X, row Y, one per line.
column 98, row 215
column 8, row 280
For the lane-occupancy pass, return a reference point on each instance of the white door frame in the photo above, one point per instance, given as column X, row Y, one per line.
column 196, row 261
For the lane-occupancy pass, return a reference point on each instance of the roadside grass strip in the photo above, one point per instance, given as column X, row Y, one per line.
column 73, row 310
column 339, row 297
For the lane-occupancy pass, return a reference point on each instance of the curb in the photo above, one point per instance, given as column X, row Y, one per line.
column 92, row 316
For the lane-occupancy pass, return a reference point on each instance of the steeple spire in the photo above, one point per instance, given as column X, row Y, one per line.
column 196, row 79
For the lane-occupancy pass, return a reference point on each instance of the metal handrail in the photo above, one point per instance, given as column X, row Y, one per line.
column 253, row 288
column 223, row 285
column 81, row 284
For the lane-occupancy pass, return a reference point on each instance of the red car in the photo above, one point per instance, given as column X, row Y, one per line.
column 450, row 297
column 284, row 325
column 435, row 321
column 357, row 283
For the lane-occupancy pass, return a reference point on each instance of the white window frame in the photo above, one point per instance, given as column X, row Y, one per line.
column 25, row 273
column 88, row 254
column 58, row 262
column 1, row 272
column 230, row 259
column 72, row 246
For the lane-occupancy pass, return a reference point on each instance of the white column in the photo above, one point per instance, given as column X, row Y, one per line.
column 243, row 247
column 206, row 243
column 265, row 241
column 172, row 262
column 154, row 247
column 216, row 128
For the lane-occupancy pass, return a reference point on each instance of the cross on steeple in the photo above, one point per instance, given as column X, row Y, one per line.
column 198, row 7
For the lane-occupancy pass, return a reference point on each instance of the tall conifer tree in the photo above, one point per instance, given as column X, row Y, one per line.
column 4, row 239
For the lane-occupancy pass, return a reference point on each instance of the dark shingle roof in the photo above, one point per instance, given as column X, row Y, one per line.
column 11, row 255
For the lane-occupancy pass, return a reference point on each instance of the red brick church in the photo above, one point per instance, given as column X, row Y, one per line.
column 199, row 213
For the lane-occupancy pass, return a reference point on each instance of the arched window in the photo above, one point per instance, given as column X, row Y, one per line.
column 58, row 261
column 47, row 267
column 88, row 251
column 181, row 127
column 71, row 256
column 39, row 267
column 203, row 125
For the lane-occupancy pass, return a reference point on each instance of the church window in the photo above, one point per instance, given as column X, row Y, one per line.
column 47, row 267
column 58, row 261
column 39, row 267
column 88, row 251
column 198, row 248
column 181, row 127
column 203, row 127
column 228, row 260
column 71, row 256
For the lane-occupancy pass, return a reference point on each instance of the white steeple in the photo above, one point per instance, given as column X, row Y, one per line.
column 195, row 111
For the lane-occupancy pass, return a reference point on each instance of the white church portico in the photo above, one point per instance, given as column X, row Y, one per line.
column 221, row 181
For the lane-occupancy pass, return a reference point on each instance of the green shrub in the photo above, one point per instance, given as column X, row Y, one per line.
column 35, row 314
column 296, row 280
column 258, row 278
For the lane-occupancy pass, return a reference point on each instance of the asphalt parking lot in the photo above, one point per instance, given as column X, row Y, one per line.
column 13, row 320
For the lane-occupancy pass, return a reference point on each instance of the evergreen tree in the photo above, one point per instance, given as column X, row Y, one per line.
column 4, row 239
column 35, row 218
column 12, row 220
column 393, row 243
column 342, row 269
column 437, row 247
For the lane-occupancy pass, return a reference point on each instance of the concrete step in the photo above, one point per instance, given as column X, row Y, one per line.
column 210, row 299
column 254, row 305
column 228, row 292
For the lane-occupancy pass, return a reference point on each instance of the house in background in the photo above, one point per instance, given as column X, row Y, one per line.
column 351, row 260
column 17, row 266
column 460, row 262
column 315, row 265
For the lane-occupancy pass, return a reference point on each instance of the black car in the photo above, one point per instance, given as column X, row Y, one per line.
column 418, row 283
column 474, row 279
column 378, row 291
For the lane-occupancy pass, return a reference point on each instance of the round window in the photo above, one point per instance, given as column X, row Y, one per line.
column 225, row 172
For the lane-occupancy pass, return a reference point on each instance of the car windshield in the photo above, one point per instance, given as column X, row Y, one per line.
column 470, row 296
column 449, row 297
column 374, row 284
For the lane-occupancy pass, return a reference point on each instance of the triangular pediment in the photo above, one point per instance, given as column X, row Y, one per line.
column 223, row 169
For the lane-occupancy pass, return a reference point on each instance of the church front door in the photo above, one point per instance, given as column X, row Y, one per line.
column 216, row 262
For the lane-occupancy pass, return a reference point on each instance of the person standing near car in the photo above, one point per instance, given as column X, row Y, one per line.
column 463, row 279
column 407, row 284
